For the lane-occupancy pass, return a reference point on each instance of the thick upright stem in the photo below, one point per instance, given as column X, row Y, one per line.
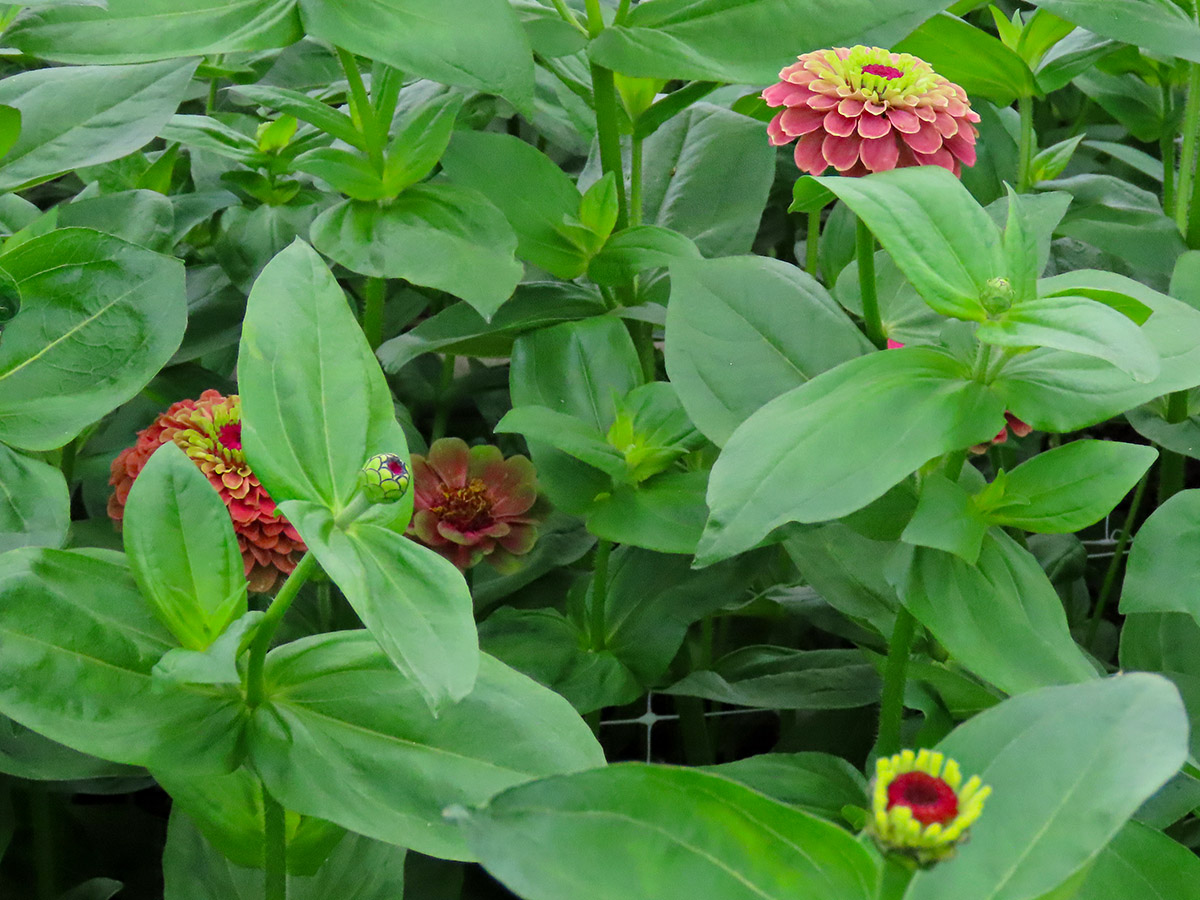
column 1027, row 146
column 275, row 848
column 895, row 675
column 568, row 15
column 812, row 244
column 1187, row 155
column 897, row 873
column 441, row 415
column 372, row 320
column 361, row 110
column 635, row 181
column 270, row 624
column 1166, row 146
column 598, row 620
column 1171, row 464
column 609, row 135
column 865, row 242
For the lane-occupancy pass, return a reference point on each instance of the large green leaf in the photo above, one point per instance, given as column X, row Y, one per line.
column 747, row 41
column 78, row 643
column 741, row 331
column 684, row 834
column 315, row 404
column 84, row 115
column 413, row 602
column 143, row 30
column 973, row 59
column 437, row 235
column 1160, row 25
column 1058, row 391
column 940, row 238
column 99, row 318
column 980, row 612
column 1067, row 766
column 357, row 869
column 182, row 549
column 1070, row 487
column 1141, row 863
column 816, row 782
column 1168, row 644
column 831, row 446
column 476, row 44
column 1164, row 564
column 664, row 513
column 35, row 506
column 345, row 737
column 534, row 194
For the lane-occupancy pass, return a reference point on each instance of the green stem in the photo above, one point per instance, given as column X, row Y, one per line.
column 568, row 15
column 372, row 320
column 622, row 12
column 595, row 17
column 1114, row 565
column 897, row 873
column 598, row 623
column 865, row 242
column 67, row 463
column 442, row 415
column 1187, row 155
column 609, row 135
column 697, row 744
column 812, row 243
column 361, row 110
column 1166, row 146
column 275, row 848
column 1027, row 146
column 635, row 181
column 895, row 674
column 1171, row 464
column 325, row 606
column 270, row 623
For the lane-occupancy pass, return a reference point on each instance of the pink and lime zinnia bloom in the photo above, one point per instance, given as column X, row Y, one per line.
column 470, row 504
column 866, row 109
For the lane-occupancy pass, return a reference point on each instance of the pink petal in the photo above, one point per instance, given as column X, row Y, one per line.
column 837, row 124
column 893, row 345
column 520, row 540
column 904, row 120
column 940, row 157
column 851, row 107
column 872, row 127
column 775, row 132
column 925, row 140
column 880, row 155
column 962, row 149
column 946, row 125
column 821, row 86
column 822, row 102
column 928, row 113
column 786, row 73
column 450, row 458
column 800, row 120
column 426, row 484
column 809, row 157
column 842, row 152
column 1019, row 428
column 875, row 109
column 512, row 485
column 424, row 525
column 956, row 107
column 784, row 94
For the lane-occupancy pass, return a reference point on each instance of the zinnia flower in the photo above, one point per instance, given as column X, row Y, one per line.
column 866, row 109
column 209, row 431
column 921, row 808
column 471, row 503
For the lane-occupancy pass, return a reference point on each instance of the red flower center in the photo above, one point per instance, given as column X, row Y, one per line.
column 930, row 799
column 888, row 72
column 231, row 435
column 397, row 468
column 467, row 508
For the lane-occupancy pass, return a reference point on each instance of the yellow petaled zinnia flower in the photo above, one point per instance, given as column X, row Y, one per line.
column 920, row 806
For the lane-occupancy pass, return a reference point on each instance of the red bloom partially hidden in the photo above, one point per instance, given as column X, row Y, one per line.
column 470, row 503
column 865, row 109
column 209, row 431
column 930, row 799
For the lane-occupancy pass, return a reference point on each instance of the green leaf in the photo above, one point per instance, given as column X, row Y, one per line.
column 1163, row 573
column 833, row 445
column 1026, row 246
column 1141, row 863
column 534, row 194
column 781, row 678
column 599, row 208
column 182, row 549
column 1049, row 163
column 346, row 172
column 340, row 722
column 742, row 42
column 1070, row 487
column 1067, row 766
column 665, row 513
column 413, row 602
column 980, row 612
column 686, row 834
column 1076, row 325
column 315, row 405
column 979, row 63
column 437, row 235
column 741, row 331
column 27, row 754
column 847, row 570
column 141, row 217
column 433, row 41
column 84, row 115
column 633, row 250
column 78, row 643
column 35, row 505
column 99, row 318
column 207, row 133
column 572, row 436
column 947, row 519
column 816, row 782
column 940, row 238
column 419, row 143
column 358, row 868
column 1159, row 24
column 306, row 109
column 10, row 128
column 144, row 30
column 1058, row 391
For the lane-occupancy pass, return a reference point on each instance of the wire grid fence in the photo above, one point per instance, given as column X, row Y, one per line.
column 1102, row 547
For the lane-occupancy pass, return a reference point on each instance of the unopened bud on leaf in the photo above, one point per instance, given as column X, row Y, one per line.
column 384, row 478
column 997, row 296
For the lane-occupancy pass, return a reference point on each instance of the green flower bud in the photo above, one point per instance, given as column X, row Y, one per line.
column 384, row 478
column 997, row 296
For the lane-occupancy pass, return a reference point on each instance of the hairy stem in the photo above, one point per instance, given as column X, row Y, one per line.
column 895, row 675
column 865, row 242
column 270, row 624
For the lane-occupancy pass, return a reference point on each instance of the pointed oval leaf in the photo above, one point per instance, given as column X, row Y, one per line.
column 1164, row 563
column 1157, row 24
column 35, row 506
